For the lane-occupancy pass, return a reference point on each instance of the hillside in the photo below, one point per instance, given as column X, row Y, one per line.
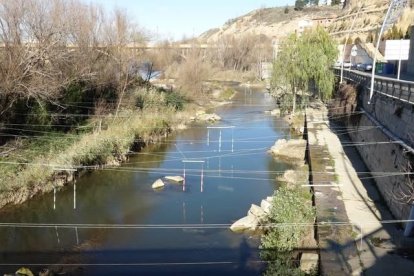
column 277, row 23
column 369, row 18
column 271, row 22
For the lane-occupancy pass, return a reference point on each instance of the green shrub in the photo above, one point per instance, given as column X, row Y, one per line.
column 175, row 100
column 289, row 206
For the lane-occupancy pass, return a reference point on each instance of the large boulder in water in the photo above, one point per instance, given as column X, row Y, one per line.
column 266, row 206
column 247, row 223
column 292, row 150
column 257, row 212
column 159, row 184
column 208, row 117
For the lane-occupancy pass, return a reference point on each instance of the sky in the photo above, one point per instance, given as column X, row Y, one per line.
column 174, row 19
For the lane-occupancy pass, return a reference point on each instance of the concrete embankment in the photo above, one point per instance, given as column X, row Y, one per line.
column 385, row 127
column 352, row 237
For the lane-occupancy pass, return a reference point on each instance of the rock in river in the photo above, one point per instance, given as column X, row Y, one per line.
column 208, row 117
column 247, row 223
column 176, row 179
column 257, row 212
column 293, row 149
column 158, row 184
column 266, row 206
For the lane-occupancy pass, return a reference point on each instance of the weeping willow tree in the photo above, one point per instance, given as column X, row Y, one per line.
column 304, row 61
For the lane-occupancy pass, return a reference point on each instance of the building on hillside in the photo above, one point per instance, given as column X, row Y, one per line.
column 329, row 3
column 325, row 3
column 395, row 51
column 390, row 53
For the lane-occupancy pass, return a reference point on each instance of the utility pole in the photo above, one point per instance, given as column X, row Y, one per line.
column 393, row 14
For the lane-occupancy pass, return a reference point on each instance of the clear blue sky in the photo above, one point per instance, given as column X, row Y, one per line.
column 175, row 18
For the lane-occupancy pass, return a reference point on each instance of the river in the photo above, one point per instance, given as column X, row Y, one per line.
column 124, row 227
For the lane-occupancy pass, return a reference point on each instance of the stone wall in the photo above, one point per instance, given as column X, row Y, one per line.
column 396, row 118
column 394, row 115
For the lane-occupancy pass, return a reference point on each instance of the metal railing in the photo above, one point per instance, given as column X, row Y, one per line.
column 393, row 88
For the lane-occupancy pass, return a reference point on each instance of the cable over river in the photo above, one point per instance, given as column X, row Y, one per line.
column 115, row 223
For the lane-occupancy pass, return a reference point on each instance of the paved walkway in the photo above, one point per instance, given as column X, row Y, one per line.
column 354, row 242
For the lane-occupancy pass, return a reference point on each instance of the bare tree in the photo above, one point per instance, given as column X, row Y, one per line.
column 50, row 44
column 192, row 72
column 403, row 192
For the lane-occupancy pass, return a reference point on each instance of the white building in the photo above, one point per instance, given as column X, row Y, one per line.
column 325, row 2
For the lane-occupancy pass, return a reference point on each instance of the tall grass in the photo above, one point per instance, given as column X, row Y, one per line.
column 36, row 167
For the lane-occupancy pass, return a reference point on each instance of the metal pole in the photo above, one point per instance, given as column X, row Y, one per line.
column 184, row 213
column 184, row 179
column 399, row 61
column 54, row 198
column 232, row 140
column 208, row 137
column 57, row 235
column 202, row 178
column 220, row 142
column 74, row 196
column 374, row 63
column 77, row 235
column 346, row 41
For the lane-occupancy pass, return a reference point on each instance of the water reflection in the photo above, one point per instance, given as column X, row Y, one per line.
column 235, row 174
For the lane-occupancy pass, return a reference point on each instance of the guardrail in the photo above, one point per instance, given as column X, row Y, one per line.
column 393, row 88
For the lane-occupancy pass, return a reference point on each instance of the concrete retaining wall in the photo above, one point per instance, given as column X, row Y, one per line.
column 397, row 118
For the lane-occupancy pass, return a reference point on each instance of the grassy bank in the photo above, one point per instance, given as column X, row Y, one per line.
column 49, row 159
column 290, row 220
column 291, row 205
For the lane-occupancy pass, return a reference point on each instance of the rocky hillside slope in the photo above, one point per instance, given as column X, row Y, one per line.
column 278, row 22
column 369, row 16
column 270, row 22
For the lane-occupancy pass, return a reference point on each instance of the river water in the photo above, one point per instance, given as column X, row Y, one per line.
column 122, row 226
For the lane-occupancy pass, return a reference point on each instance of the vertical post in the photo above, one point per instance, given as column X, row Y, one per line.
column 399, row 60
column 54, row 198
column 184, row 213
column 77, row 235
column 219, row 165
column 232, row 139
column 57, row 235
column 208, row 137
column 220, row 142
column 74, row 196
column 202, row 178
column 374, row 63
column 346, row 41
column 184, row 179
column 202, row 214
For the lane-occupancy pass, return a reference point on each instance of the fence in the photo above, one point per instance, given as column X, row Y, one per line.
column 393, row 88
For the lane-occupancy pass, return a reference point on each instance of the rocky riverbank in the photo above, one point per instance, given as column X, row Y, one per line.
column 276, row 217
